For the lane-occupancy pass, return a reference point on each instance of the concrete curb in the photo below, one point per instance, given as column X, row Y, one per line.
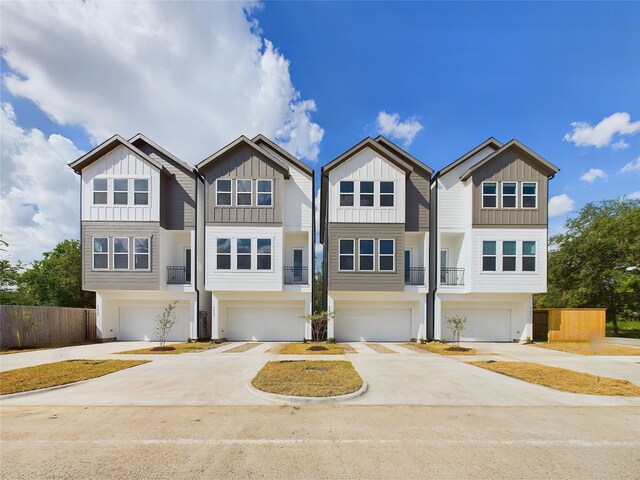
column 7, row 396
column 307, row 400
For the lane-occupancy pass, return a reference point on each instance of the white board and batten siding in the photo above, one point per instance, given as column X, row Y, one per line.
column 121, row 163
column 367, row 165
column 298, row 198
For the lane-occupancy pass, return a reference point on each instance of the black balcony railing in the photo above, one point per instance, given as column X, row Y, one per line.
column 452, row 276
column 296, row 275
column 414, row 276
column 178, row 275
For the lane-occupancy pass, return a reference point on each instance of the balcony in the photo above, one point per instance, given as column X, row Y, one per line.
column 414, row 276
column 178, row 275
column 296, row 275
column 452, row 276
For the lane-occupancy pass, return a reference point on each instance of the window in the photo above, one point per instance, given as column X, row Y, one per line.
column 346, row 255
column 365, row 255
column 386, row 194
column 100, row 253
column 489, row 195
column 346, row 194
column 223, row 192
column 529, row 195
column 141, row 191
column 265, row 193
column 223, row 254
column 243, row 254
column 99, row 191
column 386, row 255
column 243, row 193
column 366, row 194
column 509, row 256
column 120, row 191
column 509, row 194
column 141, row 253
column 121, row 253
column 264, row 253
column 528, row 256
column 488, row 256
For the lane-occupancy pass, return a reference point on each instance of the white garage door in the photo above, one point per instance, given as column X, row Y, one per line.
column 482, row 325
column 139, row 323
column 265, row 324
column 373, row 325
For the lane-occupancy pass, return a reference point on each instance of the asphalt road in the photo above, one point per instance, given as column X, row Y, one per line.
column 398, row 442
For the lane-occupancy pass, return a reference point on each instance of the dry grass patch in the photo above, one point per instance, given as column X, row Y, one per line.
column 376, row 347
column 308, row 378
column 562, row 379
column 348, row 348
column 59, row 373
column 243, row 347
column 176, row 348
column 441, row 348
column 587, row 348
column 7, row 351
column 312, row 348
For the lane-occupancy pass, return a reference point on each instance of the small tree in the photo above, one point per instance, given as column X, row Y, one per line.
column 165, row 321
column 319, row 324
column 456, row 324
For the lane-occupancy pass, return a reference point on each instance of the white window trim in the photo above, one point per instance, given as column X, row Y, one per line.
column 113, row 253
column 347, row 255
column 482, row 195
column 373, row 194
column 380, row 194
column 250, row 192
column 93, row 254
column 230, row 254
column 534, row 256
column 230, row 192
column 502, row 257
column 93, row 191
column 147, row 191
column 482, row 257
column 234, row 255
column 372, row 255
column 252, row 245
column 270, row 180
column 522, row 195
column 353, row 194
column 502, row 195
column 114, row 191
column 393, row 255
column 148, row 255
column 254, row 241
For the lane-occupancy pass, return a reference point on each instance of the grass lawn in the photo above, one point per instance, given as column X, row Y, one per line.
column 562, row 379
column 590, row 349
column 626, row 329
column 441, row 348
column 7, row 351
column 308, row 378
column 311, row 348
column 178, row 348
column 59, row 373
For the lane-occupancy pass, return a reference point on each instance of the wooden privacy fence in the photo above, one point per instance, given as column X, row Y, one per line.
column 56, row 326
column 569, row 324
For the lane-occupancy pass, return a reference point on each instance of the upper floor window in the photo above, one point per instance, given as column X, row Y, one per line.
column 120, row 191
column 100, row 253
column 141, row 191
column 121, row 253
column 509, row 194
column 243, row 193
column 386, row 194
column 243, row 254
column 366, row 194
column 346, row 260
column 489, row 195
column 99, row 191
column 223, row 254
column 528, row 256
column 488, row 256
column 223, row 192
column 365, row 255
column 265, row 193
column 141, row 253
column 264, row 253
column 346, row 194
column 529, row 195
column 386, row 255
column 509, row 256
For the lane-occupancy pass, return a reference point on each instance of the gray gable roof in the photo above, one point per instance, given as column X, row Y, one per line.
column 142, row 138
column 490, row 142
column 389, row 145
column 272, row 147
column 376, row 147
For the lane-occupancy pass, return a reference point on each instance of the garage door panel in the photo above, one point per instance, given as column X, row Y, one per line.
column 265, row 324
column 139, row 323
column 483, row 325
column 373, row 325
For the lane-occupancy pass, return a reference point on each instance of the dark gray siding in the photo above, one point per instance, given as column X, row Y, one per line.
column 243, row 162
column 511, row 165
column 120, row 279
column 365, row 281
column 417, row 205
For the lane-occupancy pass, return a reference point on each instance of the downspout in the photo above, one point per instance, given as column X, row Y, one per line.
column 433, row 256
column 197, row 177
column 313, row 241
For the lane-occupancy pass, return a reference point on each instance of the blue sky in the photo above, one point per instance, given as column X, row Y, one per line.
column 456, row 72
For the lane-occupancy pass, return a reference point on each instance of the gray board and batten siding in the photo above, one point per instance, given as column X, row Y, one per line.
column 418, row 199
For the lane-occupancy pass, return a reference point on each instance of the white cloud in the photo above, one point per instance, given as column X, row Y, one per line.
column 389, row 124
column 600, row 135
column 38, row 193
column 633, row 195
column 190, row 75
column 560, row 204
column 593, row 174
column 620, row 145
column 631, row 166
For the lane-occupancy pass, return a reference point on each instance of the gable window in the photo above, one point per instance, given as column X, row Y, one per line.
column 141, row 191
column 265, row 193
column 264, row 253
column 346, row 194
column 346, row 254
column 223, row 192
column 509, row 256
column 121, row 253
column 529, row 195
column 386, row 255
column 243, row 254
column 366, row 194
column 528, row 256
column 489, row 195
column 121, row 191
column 509, row 194
column 141, row 253
column 100, row 253
column 365, row 255
column 386, row 194
column 223, row 254
column 99, row 191
column 243, row 193
column 488, row 256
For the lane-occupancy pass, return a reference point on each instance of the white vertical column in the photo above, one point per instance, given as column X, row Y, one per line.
column 331, row 321
column 215, row 317
column 308, row 307
column 422, row 330
column 437, row 318
column 99, row 317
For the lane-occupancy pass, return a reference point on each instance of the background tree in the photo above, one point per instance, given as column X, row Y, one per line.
column 319, row 285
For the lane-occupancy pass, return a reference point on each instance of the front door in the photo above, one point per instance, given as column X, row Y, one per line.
column 187, row 263
column 407, row 266
column 297, row 266
column 444, row 261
